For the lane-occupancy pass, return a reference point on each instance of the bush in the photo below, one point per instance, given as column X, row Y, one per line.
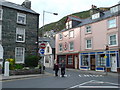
column 31, row 61
column 18, row 66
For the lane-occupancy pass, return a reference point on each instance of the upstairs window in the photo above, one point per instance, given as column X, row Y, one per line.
column 95, row 16
column 69, row 25
column 1, row 13
column 114, row 9
column 21, row 18
column 88, row 29
column 113, row 40
column 71, row 46
column 88, row 44
column 112, row 23
column 60, row 36
column 71, row 34
column 60, row 47
column 20, row 35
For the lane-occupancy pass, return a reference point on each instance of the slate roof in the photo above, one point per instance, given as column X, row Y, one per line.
column 107, row 14
column 16, row 6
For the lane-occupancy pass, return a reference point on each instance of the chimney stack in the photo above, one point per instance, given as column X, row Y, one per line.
column 27, row 4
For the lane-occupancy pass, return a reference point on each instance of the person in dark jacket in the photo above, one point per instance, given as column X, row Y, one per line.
column 62, row 68
column 56, row 69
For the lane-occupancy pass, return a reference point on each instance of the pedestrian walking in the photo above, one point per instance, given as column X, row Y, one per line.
column 56, row 69
column 62, row 68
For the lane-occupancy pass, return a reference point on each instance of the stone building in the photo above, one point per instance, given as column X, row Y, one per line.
column 18, row 30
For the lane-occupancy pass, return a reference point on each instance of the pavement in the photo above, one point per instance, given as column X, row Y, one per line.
column 4, row 78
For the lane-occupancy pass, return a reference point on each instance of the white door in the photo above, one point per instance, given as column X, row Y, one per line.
column 113, row 63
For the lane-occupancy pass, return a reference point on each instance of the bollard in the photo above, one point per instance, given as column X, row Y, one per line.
column 6, row 69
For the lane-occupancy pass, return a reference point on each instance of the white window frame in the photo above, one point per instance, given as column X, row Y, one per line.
column 95, row 16
column 114, row 9
column 68, row 24
column 22, row 32
column 0, row 32
column 71, row 34
column 60, row 47
column 112, row 23
column 23, row 16
column 113, row 40
column 71, row 46
column 88, row 43
column 19, row 53
column 60, row 36
column 88, row 29
column 1, row 10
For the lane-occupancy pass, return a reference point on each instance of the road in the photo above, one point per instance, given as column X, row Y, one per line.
column 72, row 79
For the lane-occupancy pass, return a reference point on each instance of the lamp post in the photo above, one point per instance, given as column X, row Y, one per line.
column 44, row 18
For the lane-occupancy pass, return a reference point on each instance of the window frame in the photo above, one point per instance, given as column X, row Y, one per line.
column 69, row 24
column 90, row 43
column 88, row 30
column 17, row 32
column 60, row 47
column 21, row 15
column 71, row 49
column 0, row 32
column 1, row 16
column 95, row 16
column 22, row 54
column 60, row 36
column 113, row 24
column 112, row 40
column 71, row 33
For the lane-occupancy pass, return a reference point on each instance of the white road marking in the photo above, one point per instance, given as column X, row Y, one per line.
column 94, row 81
column 98, row 87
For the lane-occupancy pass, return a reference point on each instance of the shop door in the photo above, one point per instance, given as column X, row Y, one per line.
column 92, row 62
column 113, row 63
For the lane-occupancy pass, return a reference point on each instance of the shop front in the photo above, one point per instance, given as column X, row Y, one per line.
column 71, row 60
column 100, row 61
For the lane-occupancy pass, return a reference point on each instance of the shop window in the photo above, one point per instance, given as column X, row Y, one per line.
column 70, row 60
column 85, row 60
column 101, row 60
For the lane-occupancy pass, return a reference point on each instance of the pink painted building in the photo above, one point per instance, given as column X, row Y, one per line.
column 92, row 43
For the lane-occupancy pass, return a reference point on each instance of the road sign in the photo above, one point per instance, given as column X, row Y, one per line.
column 41, row 51
column 42, row 45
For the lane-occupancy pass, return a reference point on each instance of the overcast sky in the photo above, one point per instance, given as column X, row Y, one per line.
column 63, row 7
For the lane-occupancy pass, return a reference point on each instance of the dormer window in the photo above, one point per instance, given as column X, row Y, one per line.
column 95, row 16
column 114, row 9
column 68, row 24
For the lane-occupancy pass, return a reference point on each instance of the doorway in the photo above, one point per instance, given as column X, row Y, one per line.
column 113, row 63
column 76, row 62
column 92, row 62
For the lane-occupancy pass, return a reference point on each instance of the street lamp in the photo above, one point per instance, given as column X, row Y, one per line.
column 44, row 17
